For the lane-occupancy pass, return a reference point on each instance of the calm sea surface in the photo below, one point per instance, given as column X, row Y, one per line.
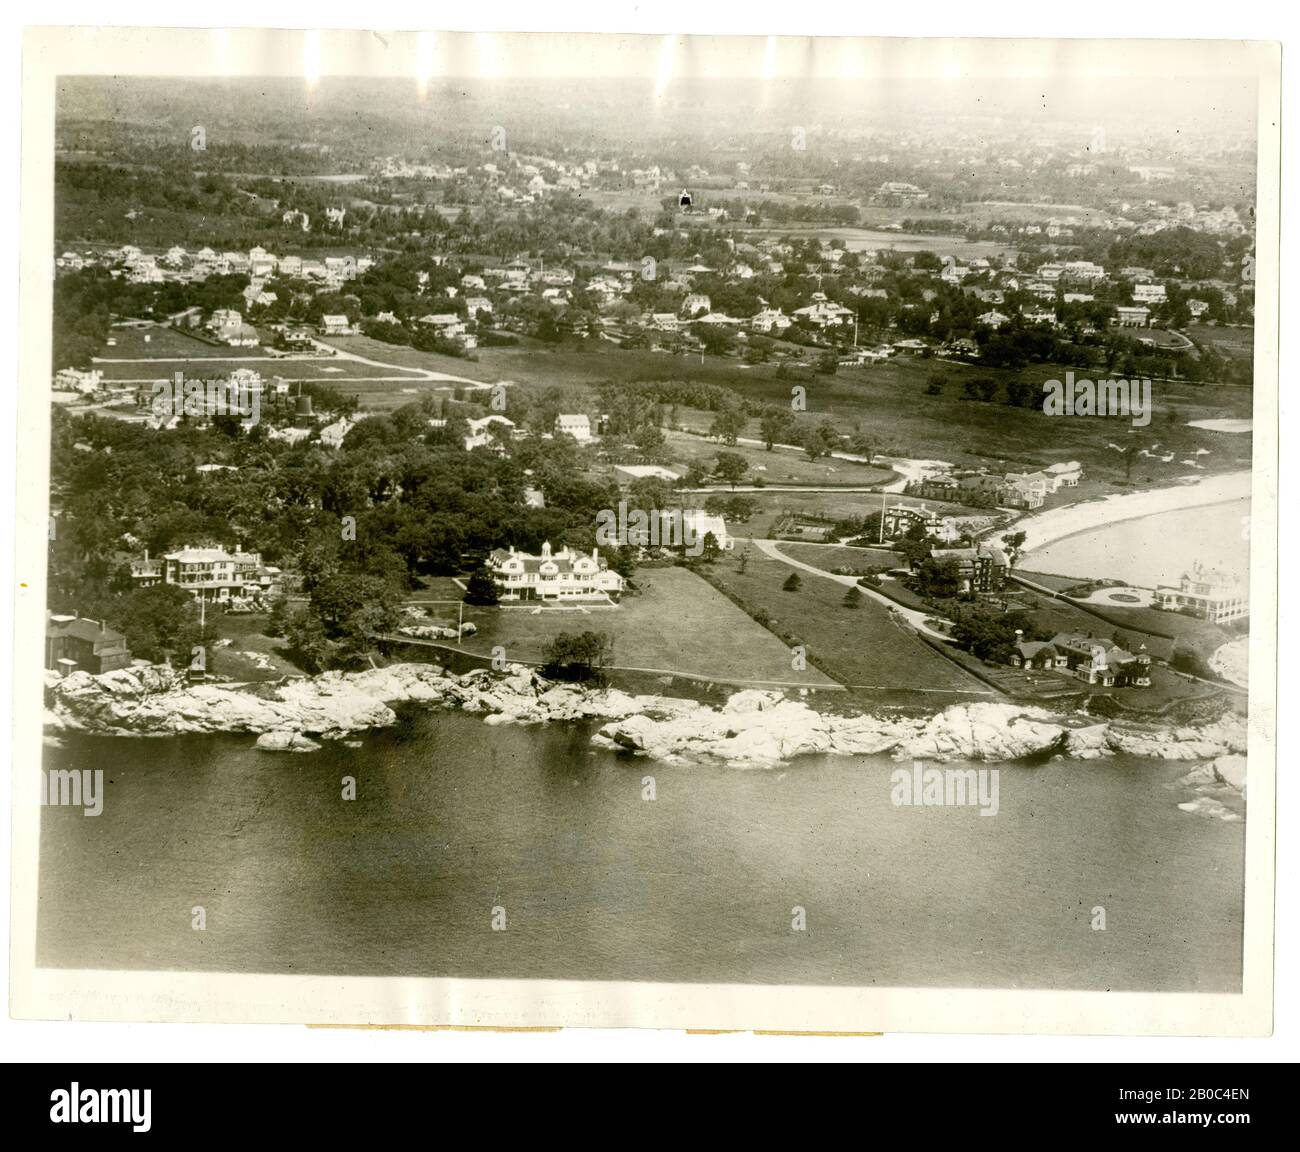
column 454, row 818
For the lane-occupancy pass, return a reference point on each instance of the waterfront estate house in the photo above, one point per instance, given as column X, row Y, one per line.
column 1065, row 475
column 902, row 518
column 562, row 575
column 75, row 644
column 1102, row 662
column 210, row 574
column 1025, row 489
column 576, row 426
column 982, row 568
column 940, row 487
column 1206, row 593
column 982, row 488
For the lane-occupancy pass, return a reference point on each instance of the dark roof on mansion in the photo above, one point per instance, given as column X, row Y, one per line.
column 563, row 560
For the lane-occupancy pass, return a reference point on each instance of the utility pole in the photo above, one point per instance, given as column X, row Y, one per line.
column 884, row 499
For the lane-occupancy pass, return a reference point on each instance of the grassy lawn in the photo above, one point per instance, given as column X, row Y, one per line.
column 1229, row 341
column 678, row 624
column 867, row 647
column 772, row 506
column 323, row 369
column 484, row 368
column 889, row 401
column 829, row 557
column 780, row 466
column 246, row 635
column 163, row 343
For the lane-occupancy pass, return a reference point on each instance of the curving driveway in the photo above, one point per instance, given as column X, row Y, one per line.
column 915, row 618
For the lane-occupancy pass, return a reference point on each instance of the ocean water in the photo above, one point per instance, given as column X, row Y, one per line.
column 1153, row 549
column 453, row 819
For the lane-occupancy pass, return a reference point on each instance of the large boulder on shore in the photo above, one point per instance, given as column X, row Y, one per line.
column 158, row 701
column 286, row 742
column 1231, row 770
column 763, row 728
column 991, row 731
column 1223, row 737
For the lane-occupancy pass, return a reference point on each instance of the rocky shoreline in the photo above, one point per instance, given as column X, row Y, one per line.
column 752, row 729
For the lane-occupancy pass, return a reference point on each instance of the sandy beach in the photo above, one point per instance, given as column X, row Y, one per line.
column 1057, row 523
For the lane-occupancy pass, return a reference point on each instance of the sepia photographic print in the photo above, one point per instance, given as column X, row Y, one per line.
column 714, row 532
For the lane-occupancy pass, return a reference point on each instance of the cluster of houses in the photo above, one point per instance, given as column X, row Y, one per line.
column 179, row 265
column 1020, row 490
column 493, row 430
column 1087, row 658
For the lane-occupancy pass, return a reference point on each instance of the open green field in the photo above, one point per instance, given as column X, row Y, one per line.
column 404, row 357
column 163, row 343
column 887, row 400
column 828, row 557
column 213, row 362
column 866, row 648
column 780, row 466
column 679, row 624
column 1233, row 340
column 246, row 636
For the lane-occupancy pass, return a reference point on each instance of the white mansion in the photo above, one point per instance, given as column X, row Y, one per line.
column 210, row 574
column 562, row 575
column 1210, row 594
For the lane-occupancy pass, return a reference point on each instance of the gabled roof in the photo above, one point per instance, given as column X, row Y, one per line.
column 83, row 629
